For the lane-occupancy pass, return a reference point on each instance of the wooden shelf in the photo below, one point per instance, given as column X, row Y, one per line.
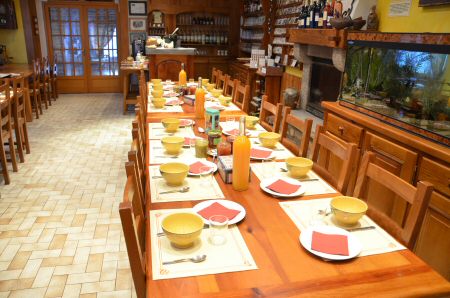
column 203, row 45
column 253, row 14
column 253, row 27
column 331, row 38
column 289, row 5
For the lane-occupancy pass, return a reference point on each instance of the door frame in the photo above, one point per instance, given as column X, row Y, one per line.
column 86, row 83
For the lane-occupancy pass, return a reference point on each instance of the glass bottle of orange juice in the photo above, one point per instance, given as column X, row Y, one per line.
column 199, row 101
column 241, row 159
column 182, row 76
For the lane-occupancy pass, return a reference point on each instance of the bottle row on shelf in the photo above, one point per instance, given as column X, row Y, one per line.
column 156, row 31
column 252, row 35
column 254, row 21
column 288, row 2
column 288, row 10
column 206, row 52
column 253, row 6
column 188, row 19
column 204, row 37
column 319, row 13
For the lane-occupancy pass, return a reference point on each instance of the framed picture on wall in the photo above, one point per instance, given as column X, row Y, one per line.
column 137, row 8
column 138, row 24
column 433, row 2
column 138, row 35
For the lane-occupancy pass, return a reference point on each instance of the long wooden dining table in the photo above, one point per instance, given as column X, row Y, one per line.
column 27, row 71
column 285, row 268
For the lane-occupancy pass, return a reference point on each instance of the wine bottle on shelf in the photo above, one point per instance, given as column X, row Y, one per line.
column 327, row 15
column 308, row 16
column 182, row 76
column 318, row 15
column 312, row 14
column 301, row 19
column 199, row 104
column 241, row 159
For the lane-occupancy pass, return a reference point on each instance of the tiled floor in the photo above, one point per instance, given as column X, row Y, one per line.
column 60, row 231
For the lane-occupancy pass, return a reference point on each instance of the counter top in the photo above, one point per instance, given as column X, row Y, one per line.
column 174, row 51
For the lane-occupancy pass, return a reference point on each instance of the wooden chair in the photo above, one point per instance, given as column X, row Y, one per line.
column 270, row 115
column 134, row 169
column 54, row 80
column 242, row 96
column 35, row 90
column 19, row 122
column 417, row 198
column 214, row 75
column 140, row 143
column 133, row 224
column 326, row 149
column 6, row 134
column 302, row 126
column 45, row 82
column 221, row 80
column 229, row 87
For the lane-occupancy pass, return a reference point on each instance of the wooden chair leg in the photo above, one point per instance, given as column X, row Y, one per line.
column 4, row 162
column 36, row 104
column 19, row 142
column 49, row 94
column 12, row 153
column 39, row 99
column 25, row 137
column 44, row 94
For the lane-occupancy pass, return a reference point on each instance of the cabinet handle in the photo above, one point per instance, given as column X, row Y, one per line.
column 341, row 129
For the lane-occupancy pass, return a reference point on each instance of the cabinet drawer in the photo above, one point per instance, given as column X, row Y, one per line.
column 436, row 173
column 343, row 129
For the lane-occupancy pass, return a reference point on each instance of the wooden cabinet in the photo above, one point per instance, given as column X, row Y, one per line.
column 433, row 243
column 255, row 25
column 203, row 65
column 167, row 67
column 411, row 158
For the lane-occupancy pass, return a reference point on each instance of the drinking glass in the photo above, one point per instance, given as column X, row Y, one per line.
column 206, row 175
column 218, row 228
column 201, row 148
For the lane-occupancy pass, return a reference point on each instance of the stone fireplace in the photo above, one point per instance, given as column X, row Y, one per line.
column 322, row 71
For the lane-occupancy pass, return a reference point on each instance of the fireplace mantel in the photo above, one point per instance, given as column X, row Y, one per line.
column 332, row 38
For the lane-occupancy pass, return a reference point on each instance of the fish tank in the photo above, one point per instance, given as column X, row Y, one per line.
column 404, row 84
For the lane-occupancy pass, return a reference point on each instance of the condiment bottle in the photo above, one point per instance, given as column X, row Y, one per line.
column 182, row 76
column 199, row 101
column 241, row 159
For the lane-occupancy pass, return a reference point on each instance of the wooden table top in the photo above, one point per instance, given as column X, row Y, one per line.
column 286, row 269
column 26, row 69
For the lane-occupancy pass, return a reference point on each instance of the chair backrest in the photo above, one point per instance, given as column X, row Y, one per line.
column 221, row 80
column 326, row 149
column 214, row 75
column 45, row 70
column 417, row 198
column 270, row 115
column 302, row 127
column 229, row 87
column 242, row 96
column 18, row 97
column 134, row 169
column 5, row 106
column 133, row 225
column 54, row 69
column 36, row 74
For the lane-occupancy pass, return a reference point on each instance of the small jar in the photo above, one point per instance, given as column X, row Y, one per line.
column 223, row 148
column 230, row 140
column 201, row 148
column 214, row 137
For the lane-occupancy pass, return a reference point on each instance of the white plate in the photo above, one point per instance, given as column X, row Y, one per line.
column 265, row 149
column 266, row 182
column 225, row 203
column 207, row 164
column 354, row 246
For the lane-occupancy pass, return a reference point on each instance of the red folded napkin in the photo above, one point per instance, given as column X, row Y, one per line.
column 170, row 94
column 233, row 132
column 187, row 141
column 172, row 102
column 218, row 209
column 259, row 153
column 283, row 187
column 196, row 166
column 330, row 243
column 184, row 122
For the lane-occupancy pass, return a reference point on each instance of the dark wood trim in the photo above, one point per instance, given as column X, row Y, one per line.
column 28, row 28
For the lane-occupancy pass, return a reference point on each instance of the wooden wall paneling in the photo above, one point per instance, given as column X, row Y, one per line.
column 124, row 41
column 33, row 44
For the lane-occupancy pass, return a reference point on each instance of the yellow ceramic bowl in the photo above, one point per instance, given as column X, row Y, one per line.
column 157, row 93
column 172, row 144
column 224, row 100
column 156, row 81
column 269, row 139
column 347, row 210
column 171, row 124
column 205, row 82
column 157, row 87
column 250, row 122
column 174, row 173
column 182, row 229
column 210, row 86
column 159, row 102
column 298, row 166
column 216, row 92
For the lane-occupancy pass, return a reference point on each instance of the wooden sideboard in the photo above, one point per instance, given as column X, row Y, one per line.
column 414, row 159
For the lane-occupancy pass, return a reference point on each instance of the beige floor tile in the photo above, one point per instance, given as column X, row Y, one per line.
column 43, row 277
column 4, row 294
column 58, row 280
column 35, row 293
column 58, row 261
column 10, row 274
column 123, row 279
column 115, row 294
column 78, row 220
column 54, row 291
column 58, row 241
column 95, row 263
column 70, row 269
column 20, row 260
column 94, row 287
column 90, row 295
column 72, row 290
column 83, row 277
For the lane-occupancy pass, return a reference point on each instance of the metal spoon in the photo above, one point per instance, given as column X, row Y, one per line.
column 184, row 189
column 162, row 156
column 196, row 259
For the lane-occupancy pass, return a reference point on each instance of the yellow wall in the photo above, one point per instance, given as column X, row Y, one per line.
column 14, row 39
column 434, row 19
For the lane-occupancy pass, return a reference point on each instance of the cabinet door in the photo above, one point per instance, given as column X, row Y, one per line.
column 398, row 160
column 168, row 70
column 433, row 243
column 201, row 68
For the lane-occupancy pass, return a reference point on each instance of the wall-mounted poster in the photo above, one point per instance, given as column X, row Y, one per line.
column 137, row 8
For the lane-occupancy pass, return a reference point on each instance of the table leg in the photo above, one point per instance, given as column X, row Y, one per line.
column 125, row 92
column 28, row 109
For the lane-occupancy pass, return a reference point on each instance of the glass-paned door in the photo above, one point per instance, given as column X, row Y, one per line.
column 103, row 51
column 82, row 39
